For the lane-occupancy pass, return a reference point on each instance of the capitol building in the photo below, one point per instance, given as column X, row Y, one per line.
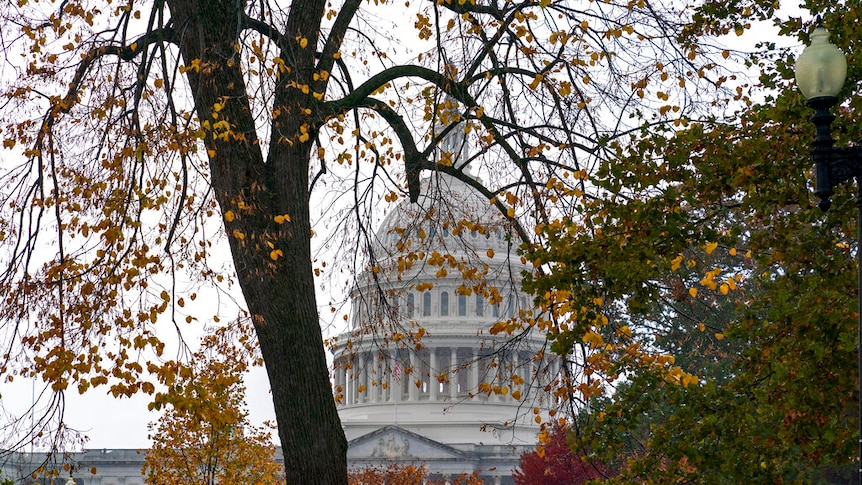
column 418, row 376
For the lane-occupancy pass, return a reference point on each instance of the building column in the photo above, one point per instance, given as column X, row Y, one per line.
column 340, row 381
column 348, row 383
column 373, row 379
column 516, row 370
column 362, row 361
column 412, row 390
column 352, row 378
column 394, row 385
column 453, row 374
column 433, row 384
column 345, row 382
column 473, row 383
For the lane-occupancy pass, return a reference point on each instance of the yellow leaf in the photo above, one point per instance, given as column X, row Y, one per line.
column 490, row 253
column 732, row 251
column 692, row 292
column 303, row 42
column 275, row 253
column 593, row 339
column 724, row 289
column 710, row 247
column 719, row 336
column 687, row 379
column 536, row 81
column 282, row 219
column 229, row 216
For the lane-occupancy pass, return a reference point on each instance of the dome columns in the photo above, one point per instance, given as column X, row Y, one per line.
column 465, row 368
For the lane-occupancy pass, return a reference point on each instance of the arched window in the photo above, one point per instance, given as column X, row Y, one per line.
column 495, row 310
column 411, row 305
column 480, row 305
column 510, row 306
column 426, row 304
column 444, row 303
column 462, row 305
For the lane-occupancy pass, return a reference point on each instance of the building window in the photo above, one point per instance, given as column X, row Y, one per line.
column 426, row 304
column 480, row 305
column 411, row 304
column 444, row 303
column 495, row 310
column 462, row 305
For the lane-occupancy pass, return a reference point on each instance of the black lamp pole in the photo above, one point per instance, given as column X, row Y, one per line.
column 820, row 73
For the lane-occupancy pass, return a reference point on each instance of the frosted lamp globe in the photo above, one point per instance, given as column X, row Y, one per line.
column 821, row 68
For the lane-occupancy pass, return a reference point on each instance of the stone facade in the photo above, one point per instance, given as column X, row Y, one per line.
column 112, row 467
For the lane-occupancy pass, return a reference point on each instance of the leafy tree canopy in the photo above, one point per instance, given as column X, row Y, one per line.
column 204, row 436
column 554, row 461
column 713, row 302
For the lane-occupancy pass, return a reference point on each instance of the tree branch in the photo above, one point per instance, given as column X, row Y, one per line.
column 125, row 53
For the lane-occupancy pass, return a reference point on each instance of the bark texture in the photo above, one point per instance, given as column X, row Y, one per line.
column 278, row 287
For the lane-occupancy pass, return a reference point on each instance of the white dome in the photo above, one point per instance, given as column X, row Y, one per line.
column 449, row 215
column 419, row 354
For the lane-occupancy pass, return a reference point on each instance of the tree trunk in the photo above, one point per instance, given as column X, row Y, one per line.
column 272, row 258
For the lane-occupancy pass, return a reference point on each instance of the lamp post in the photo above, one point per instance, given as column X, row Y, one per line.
column 820, row 73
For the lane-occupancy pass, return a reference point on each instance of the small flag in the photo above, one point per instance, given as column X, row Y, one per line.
column 397, row 371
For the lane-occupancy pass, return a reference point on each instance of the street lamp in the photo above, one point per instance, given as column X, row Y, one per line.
column 820, row 73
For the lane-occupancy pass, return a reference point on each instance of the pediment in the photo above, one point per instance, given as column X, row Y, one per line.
column 396, row 443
